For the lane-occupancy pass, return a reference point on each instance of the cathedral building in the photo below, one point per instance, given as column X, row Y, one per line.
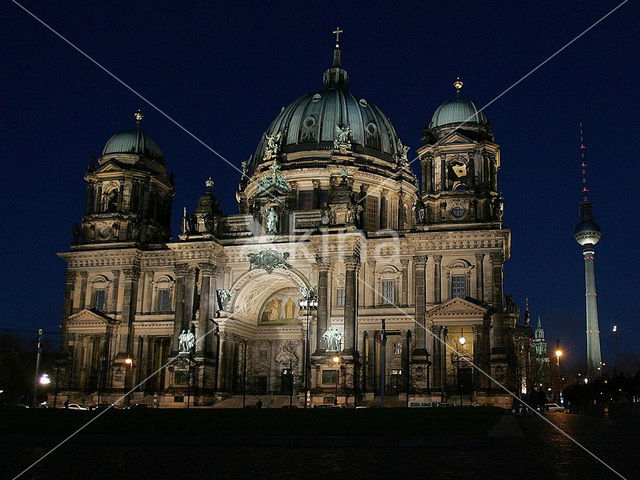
column 335, row 237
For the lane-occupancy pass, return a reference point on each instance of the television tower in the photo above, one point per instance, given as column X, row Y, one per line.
column 587, row 233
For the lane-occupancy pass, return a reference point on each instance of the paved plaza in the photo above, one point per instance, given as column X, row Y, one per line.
column 507, row 446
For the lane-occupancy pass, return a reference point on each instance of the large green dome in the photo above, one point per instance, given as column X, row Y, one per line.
column 134, row 141
column 458, row 110
column 310, row 122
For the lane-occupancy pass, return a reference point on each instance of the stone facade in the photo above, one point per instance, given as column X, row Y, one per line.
column 345, row 216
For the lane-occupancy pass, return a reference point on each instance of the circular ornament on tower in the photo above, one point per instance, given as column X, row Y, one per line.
column 458, row 212
column 105, row 233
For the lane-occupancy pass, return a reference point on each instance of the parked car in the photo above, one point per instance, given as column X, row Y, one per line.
column 134, row 406
column 553, row 407
column 75, row 406
column 422, row 404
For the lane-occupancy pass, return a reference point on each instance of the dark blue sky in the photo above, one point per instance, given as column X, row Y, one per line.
column 224, row 71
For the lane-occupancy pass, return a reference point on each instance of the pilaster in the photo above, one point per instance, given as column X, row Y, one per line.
column 437, row 278
column 419, row 265
column 352, row 265
column 324, row 265
column 480, row 276
column 404, row 293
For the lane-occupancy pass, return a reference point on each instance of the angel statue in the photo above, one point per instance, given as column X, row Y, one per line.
column 186, row 341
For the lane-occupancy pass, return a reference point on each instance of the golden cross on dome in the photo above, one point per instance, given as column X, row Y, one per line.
column 337, row 33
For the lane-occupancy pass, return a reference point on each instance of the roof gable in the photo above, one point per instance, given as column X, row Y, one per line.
column 88, row 315
column 457, row 307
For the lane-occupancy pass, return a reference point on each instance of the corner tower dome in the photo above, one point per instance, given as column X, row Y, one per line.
column 458, row 110
column 134, row 142
column 312, row 123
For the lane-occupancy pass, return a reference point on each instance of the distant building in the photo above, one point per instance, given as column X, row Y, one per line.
column 328, row 201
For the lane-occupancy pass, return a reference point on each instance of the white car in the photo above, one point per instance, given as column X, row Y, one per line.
column 75, row 406
column 553, row 407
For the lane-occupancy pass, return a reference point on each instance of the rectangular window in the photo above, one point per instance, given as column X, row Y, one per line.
column 305, row 200
column 164, row 300
column 372, row 219
column 101, row 300
column 397, row 348
column 458, row 286
column 388, row 291
column 340, row 297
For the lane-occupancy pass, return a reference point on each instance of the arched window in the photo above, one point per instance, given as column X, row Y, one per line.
column 388, row 282
column 163, row 294
column 100, row 289
column 458, row 274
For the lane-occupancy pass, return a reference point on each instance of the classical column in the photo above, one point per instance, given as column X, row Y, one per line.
column 497, row 262
column 115, row 290
column 70, row 283
column 371, row 283
column 324, row 264
column 437, row 280
column 404, row 295
column 203, row 345
column 443, row 356
column 352, row 264
column 222, row 360
column 144, row 360
column 480, row 276
column 189, row 298
column 83, row 290
column 477, row 354
column 131, row 276
column 437, row 355
column 419, row 264
column 147, row 299
column 181, row 273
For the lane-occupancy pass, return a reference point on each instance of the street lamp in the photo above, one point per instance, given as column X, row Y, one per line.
column 337, row 361
column 44, row 379
column 129, row 363
column 308, row 302
column 615, row 345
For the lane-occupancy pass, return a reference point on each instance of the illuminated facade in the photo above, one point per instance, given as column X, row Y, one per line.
column 327, row 201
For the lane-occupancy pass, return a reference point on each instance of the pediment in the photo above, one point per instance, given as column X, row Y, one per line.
column 111, row 165
column 88, row 316
column 457, row 307
column 457, row 137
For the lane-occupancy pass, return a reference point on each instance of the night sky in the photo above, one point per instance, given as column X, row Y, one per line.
column 224, row 71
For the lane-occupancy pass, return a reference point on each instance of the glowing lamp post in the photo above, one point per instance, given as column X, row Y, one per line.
column 337, row 361
column 308, row 302
column 129, row 363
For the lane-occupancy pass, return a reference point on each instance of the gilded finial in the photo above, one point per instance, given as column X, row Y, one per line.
column 337, row 33
column 458, row 85
column 209, row 183
column 138, row 116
